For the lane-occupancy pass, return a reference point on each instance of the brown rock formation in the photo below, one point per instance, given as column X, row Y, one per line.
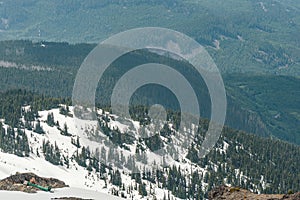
column 15, row 182
column 234, row 193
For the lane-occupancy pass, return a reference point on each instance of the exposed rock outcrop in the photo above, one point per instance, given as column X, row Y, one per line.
column 235, row 193
column 15, row 182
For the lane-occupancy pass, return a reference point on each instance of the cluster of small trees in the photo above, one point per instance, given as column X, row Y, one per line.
column 14, row 141
column 52, row 153
column 116, row 178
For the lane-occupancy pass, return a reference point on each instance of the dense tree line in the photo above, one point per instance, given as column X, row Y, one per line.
column 58, row 81
column 12, row 103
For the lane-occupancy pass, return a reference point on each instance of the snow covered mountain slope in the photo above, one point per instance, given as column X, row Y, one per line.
column 113, row 161
column 73, row 173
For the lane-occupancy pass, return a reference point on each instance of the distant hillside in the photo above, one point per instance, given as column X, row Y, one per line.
column 267, row 105
column 259, row 36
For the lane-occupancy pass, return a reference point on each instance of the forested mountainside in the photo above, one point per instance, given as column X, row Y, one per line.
column 255, row 45
column 255, row 102
column 42, row 129
column 256, row 36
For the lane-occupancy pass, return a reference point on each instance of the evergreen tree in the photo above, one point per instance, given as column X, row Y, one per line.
column 38, row 129
column 50, row 119
column 116, row 178
column 64, row 131
column 142, row 189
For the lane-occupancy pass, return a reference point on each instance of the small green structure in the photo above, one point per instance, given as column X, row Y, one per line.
column 46, row 189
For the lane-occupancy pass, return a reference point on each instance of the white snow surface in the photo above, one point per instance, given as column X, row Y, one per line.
column 85, row 184
column 82, row 182
column 66, row 192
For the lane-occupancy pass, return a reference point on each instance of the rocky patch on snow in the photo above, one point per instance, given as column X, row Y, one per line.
column 231, row 193
column 15, row 182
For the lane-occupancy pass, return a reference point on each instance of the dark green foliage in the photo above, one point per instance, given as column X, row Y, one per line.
column 55, row 55
column 137, row 177
column 66, row 162
column 64, row 110
column 194, row 189
column 82, row 157
column 52, row 153
column 166, row 131
column 290, row 191
column 142, row 189
column 274, row 100
column 154, row 143
column 115, row 135
column 116, row 178
column 65, row 132
column 176, row 182
column 30, row 114
column 248, row 96
column 90, row 161
column 50, row 119
column 242, row 31
column 273, row 159
column 38, row 129
column 76, row 142
column 193, row 154
column 140, row 113
column 14, row 141
column 11, row 103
